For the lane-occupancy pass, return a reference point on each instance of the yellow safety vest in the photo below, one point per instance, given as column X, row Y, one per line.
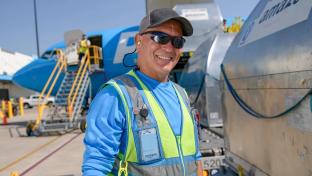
column 83, row 46
column 172, row 146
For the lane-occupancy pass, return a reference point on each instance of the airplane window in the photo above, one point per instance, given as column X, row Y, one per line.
column 49, row 54
column 46, row 55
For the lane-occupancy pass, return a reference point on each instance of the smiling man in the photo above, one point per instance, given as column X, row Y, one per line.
column 140, row 123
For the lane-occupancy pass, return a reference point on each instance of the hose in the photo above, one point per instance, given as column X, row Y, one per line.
column 249, row 109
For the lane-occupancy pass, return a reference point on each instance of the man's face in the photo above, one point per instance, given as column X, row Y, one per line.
column 157, row 60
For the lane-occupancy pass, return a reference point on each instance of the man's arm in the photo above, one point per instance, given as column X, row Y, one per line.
column 105, row 122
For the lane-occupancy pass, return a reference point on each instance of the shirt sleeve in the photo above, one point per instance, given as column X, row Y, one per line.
column 105, row 126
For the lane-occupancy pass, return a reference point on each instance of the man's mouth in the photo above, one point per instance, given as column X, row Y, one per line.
column 164, row 58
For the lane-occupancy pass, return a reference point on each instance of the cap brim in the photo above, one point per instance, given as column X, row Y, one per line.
column 187, row 28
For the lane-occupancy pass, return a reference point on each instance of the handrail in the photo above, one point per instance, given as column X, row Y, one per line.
column 49, row 80
column 81, row 71
column 97, row 55
column 74, row 89
column 61, row 64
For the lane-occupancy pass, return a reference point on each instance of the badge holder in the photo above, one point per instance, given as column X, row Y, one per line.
column 148, row 138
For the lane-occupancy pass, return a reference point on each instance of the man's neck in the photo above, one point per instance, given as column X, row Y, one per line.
column 157, row 77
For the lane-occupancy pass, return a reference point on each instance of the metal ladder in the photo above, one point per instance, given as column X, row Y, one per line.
column 61, row 120
column 65, row 114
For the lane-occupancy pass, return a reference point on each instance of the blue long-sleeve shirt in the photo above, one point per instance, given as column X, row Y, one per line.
column 106, row 124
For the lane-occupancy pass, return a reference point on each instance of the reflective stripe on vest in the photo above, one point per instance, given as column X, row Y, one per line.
column 170, row 170
column 83, row 46
column 168, row 139
column 131, row 150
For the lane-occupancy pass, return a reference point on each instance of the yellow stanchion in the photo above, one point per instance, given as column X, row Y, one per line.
column 10, row 109
column 1, row 115
column 21, row 106
column 3, row 105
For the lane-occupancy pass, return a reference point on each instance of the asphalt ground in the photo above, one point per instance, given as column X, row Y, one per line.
column 48, row 155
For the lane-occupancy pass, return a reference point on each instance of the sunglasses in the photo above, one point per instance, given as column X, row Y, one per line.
column 163, row 38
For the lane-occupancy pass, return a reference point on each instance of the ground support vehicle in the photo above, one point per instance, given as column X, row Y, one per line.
column 33, row 100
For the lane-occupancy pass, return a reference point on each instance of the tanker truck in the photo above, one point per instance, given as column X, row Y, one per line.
column 262, row 89
column 267, row 102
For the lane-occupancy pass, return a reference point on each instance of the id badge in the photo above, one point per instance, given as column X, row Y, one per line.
column 149, row 144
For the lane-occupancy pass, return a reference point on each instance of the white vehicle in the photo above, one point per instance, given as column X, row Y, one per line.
column 33, row 100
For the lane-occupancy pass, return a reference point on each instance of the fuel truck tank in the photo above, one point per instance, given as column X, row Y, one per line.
column 201, row 77
column 267, row 93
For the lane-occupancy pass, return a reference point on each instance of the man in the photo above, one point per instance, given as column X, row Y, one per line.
column 140, row 123
column 82, row 48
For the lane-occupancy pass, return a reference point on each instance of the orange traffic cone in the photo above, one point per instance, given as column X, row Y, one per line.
column 4, row 120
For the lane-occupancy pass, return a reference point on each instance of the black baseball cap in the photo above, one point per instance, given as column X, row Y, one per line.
column 159, row 16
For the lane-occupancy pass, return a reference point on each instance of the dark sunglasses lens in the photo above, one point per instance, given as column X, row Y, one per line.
column 161, row 39
column 178, row 42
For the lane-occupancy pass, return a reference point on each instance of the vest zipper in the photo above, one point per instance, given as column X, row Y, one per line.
column 178, row 140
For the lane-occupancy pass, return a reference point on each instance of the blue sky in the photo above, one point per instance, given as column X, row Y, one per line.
column 17, row 29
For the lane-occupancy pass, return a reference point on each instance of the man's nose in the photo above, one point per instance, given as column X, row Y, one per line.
column 168, row 46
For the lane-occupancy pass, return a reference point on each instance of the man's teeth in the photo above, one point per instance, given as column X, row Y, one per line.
column 164, row 57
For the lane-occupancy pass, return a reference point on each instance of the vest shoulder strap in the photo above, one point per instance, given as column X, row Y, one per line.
column 184, row 95
column 132, row 90
column 135, row 96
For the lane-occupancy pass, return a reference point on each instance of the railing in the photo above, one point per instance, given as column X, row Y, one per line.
column 97, row 54
column 61, row 64
column 85, row 64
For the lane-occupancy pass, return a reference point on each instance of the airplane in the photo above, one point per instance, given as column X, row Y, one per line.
column 117, row 47
column 115, row 43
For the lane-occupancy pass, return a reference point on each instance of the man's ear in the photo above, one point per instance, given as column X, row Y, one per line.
column 138, row 41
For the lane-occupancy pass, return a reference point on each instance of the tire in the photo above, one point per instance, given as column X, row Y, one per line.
column 49, row 104
column 83, row 125
column 29, row 127
column 27, row 106
column 15, row 110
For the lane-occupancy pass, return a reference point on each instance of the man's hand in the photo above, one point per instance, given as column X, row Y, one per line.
column 199, row 168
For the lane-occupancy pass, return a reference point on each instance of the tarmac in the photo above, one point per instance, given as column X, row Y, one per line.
column 48, row 155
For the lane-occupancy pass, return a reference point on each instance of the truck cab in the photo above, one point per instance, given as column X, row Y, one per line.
column 33, row 100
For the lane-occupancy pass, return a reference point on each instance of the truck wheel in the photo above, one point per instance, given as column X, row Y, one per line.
column 29, row 127
column 27, row 106
column 83, row 125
